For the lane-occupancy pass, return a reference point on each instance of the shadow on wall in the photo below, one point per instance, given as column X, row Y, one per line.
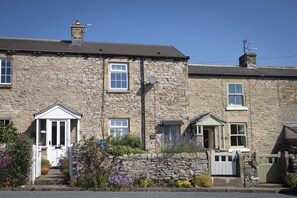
column 280, row 144
column 31, row 131
column 147, row 88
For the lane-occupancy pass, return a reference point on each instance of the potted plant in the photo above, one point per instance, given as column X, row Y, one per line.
column 45, row 166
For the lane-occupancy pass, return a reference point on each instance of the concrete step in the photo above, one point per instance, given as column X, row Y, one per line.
column 54, row 177
column 270, row 185
column 227, row 181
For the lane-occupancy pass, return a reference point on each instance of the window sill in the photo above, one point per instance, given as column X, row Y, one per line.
column 5, row 86
column 118, row 91
column 241, row 149
column 236, row 108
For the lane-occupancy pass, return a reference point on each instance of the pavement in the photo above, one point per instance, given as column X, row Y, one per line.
column 53, row 188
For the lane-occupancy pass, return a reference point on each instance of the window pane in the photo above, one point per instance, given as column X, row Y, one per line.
column 8, row 71
column 124, row 76
column 241, row 141
column 62, row 133
column 233, row 141
column 8, row 79
column 112, row 84
column 233, row 129
column 231, row 100
column 240, row 129
column 2, row 70
column 238, row 100
column 2, row 79
column 238, row 88
column 8, row 63
column 112, row 76
column 231, row 88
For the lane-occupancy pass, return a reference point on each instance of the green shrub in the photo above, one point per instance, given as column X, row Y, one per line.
column 129, row 144
column 87, row 181
column 130, row 140
column 8, row 133
column 64, row 165
column 122, row 150
column 16, row 162
column 291, row 180
column 184, row 145
column 144, row 182
column 203, row 180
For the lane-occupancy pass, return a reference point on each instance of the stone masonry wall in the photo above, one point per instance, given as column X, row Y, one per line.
column 81, row 84
column 270, row 103
column 160, row 167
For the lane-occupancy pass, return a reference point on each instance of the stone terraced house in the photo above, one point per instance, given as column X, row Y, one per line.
column 61, row 90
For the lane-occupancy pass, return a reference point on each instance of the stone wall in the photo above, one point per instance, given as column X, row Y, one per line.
column 81, row 83
column 270, row 103
column 159, row 167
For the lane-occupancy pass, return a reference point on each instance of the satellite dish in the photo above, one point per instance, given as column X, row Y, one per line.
column 152, row 79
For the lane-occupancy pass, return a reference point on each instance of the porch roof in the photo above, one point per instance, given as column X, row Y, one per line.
column 171, row 122
column 57, row 111
column 207, row 119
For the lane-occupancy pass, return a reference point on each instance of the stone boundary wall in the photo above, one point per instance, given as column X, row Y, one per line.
column 160, row 167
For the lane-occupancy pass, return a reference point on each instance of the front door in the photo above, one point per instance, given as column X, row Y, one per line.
column 56, row 141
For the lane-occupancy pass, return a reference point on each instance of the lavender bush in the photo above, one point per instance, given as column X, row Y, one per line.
column 119, row 181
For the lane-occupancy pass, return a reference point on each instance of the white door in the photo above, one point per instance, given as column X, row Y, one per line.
column 56, row 139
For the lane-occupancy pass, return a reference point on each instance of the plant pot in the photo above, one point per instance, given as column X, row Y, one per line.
column 44, row 170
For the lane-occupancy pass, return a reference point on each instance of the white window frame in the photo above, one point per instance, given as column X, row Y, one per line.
column 238, row 135
column 236, row 94
column 124, row 127
column 117, row 71
column 5, row 74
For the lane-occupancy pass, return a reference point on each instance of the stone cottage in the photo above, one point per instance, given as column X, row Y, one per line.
column 61, row 90
column 245, row 107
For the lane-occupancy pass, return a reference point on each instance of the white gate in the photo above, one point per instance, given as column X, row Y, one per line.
column 36, row 162
column 223, row 163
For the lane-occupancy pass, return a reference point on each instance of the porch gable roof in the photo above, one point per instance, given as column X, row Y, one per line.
column 207, row 120
column 57, row 111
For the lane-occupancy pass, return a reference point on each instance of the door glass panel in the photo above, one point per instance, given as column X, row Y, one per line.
column 62, row 133
column 54, row 134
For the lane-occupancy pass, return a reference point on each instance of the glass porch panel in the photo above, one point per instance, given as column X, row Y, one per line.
column 62, row 133
column 54, row 134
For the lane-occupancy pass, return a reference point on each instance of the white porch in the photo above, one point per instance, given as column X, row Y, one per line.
column 57, row 128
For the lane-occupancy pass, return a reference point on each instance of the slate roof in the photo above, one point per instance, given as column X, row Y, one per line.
column 237, row 71
column 94, row 48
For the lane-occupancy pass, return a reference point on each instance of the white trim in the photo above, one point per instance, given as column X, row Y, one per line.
column 77, row 131
column 236, row 108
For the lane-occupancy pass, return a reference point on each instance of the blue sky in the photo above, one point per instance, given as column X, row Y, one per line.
column 209, row 31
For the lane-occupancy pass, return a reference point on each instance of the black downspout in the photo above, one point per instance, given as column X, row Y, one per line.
column 142, row 102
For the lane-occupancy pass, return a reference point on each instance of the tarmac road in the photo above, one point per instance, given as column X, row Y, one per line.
column 91, row 194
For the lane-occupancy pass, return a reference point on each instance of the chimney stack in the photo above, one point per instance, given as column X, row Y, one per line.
column 247, row 60
column 77, row 33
